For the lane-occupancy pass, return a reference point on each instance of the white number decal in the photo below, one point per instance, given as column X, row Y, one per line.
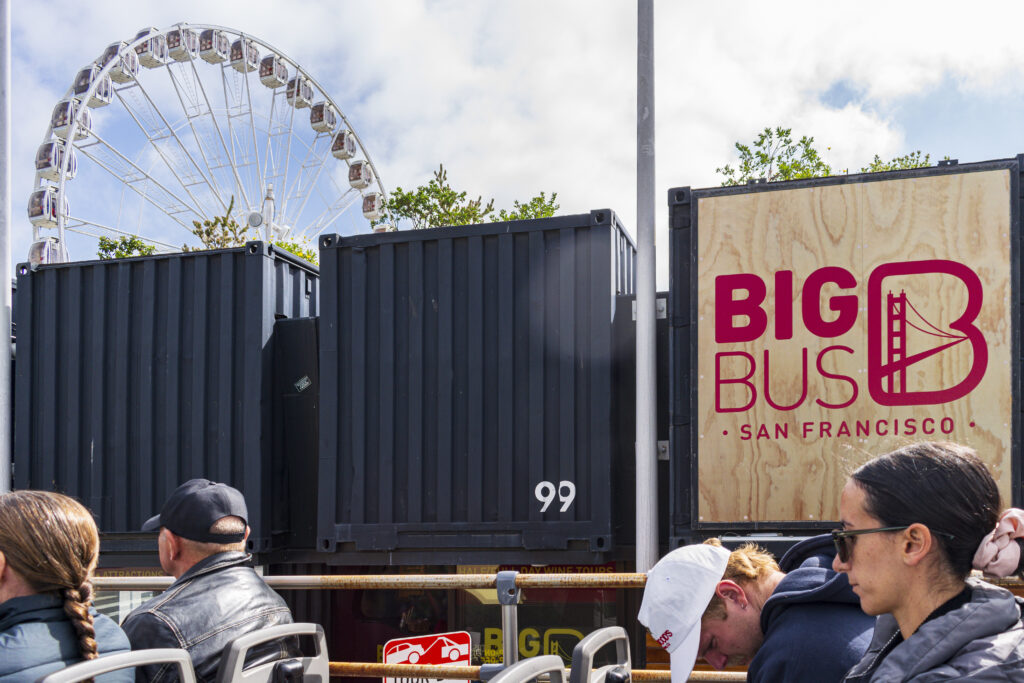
column 545, row 493
column 566, row 498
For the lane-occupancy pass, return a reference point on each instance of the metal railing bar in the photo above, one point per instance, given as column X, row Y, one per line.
column 376, row 670
column 396, row 581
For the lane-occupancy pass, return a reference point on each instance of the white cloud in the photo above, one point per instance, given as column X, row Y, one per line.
column 526, row 96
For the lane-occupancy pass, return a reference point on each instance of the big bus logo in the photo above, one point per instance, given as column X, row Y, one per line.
column 741, row 317
column 889, row 317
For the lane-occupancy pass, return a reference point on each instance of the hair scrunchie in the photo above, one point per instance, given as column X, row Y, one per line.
column 999, row 555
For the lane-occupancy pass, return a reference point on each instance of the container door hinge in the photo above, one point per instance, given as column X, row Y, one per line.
column 663, row 450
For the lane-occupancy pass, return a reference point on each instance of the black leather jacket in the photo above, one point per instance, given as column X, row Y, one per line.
column 214, row 602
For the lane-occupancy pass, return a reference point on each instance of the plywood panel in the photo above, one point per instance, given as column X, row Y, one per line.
column 784, row 416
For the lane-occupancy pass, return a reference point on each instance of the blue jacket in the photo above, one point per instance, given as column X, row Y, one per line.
column 37, row 638
column 814, row 629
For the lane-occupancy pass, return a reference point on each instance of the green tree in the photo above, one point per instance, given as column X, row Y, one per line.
column 775, row 156
column 912, row 160
column 220, row 232
column 300, row 248
column 125, row 246
column 538, row 207
column 437, row 203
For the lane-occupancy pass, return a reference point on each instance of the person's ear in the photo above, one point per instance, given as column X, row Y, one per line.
column 173, row 544
column 915, row 544
column 246, row 538
column 731, row 591
column 3, row 565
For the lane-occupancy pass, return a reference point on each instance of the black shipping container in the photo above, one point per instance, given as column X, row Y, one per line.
column 135, row 375
column 467, row 382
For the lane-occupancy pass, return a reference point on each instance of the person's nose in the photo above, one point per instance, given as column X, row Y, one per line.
column 838, row 565
column 716, row 659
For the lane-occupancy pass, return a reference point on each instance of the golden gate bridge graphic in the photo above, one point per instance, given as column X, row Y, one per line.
column 894, row 371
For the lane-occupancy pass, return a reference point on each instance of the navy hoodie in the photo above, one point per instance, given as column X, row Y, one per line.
column 814, row 629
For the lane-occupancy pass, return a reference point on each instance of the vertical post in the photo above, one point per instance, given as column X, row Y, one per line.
column 646, row 387
column 508, row 598
column 6, row 412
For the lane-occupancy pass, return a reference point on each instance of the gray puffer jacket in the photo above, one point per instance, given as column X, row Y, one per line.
column 981, row 641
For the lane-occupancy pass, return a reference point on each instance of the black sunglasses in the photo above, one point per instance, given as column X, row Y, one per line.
column 844, row 538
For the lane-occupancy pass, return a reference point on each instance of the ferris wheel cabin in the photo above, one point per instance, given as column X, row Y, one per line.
column 323, row 117
column 344, row 145
column 360, row 175
column 104, row 91
column 153, row 51
column 373, row 203
column 244, row 56
column 182, row 44
column 50, row 157
column 299, row 92
column 42, row 207
column 273, row 71
column 65, row 112
column 127, row 66
column 214, row 46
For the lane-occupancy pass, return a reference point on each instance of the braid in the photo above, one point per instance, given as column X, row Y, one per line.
column 76, row 607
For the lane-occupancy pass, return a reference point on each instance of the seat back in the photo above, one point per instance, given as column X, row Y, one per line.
column 310, row 669
column 582, row 670
column 124, row 660
column 529, row 669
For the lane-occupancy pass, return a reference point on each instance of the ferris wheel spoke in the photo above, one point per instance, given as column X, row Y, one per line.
column 241, row 159
column 189, row 92
column 78, row 225
column 332, row 213
column 106, row 156
column 252, row 118
column 163, row 140
column 309, row 172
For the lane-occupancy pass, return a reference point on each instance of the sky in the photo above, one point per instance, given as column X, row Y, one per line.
column 517, row 97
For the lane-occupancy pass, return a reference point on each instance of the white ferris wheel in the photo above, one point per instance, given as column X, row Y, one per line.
column 235, row 127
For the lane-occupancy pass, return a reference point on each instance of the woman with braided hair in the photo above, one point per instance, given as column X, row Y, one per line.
column 49, row 547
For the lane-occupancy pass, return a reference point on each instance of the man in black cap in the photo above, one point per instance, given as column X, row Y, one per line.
column 216, row 596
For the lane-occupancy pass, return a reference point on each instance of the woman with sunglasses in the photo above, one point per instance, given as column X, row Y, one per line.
column 915, row 522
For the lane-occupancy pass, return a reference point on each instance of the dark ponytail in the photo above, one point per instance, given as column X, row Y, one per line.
column 944, row 486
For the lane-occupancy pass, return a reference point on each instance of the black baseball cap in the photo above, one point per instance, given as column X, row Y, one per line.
column 194, row 507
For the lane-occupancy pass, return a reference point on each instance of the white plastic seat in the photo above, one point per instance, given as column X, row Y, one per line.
column 582, row 669
column 529, row 669
column 315, row 669
column 125, row 660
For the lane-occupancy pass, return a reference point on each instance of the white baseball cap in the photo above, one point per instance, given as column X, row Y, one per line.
column 678, row 591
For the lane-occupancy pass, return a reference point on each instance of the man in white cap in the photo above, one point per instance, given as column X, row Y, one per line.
column 795, row 621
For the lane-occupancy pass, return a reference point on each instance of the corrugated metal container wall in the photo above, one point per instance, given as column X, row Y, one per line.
column 135, row 375
column 461, row 369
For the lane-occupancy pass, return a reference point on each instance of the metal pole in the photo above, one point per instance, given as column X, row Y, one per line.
column 646, row 387
column 6, row 412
